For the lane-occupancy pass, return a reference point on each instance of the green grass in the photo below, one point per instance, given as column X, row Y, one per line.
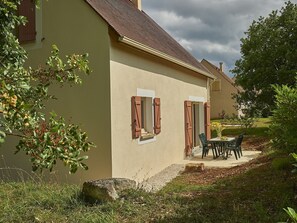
column 258, row 195
column 255, row 131
column 41, row 202
column 260, row 129
column 263, row 122
column 259, row 122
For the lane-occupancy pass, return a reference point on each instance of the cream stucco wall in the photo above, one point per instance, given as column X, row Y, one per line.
column 173, row 85
column 221, row 100
column 75, row 28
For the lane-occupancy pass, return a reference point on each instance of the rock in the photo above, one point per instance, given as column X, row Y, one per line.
column 194, row 167
column 106, row 189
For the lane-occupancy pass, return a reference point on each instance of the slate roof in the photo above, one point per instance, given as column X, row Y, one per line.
column 221, row 73
column 128, row 21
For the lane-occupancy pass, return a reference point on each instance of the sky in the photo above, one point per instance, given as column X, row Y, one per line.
column 210, row 29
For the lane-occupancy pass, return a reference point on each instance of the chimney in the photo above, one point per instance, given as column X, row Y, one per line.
column 221, row 66
column 137, row 3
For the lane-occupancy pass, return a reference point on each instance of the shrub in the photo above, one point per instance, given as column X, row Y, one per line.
column 282, row 163
column 284, row 119
column 292, row 214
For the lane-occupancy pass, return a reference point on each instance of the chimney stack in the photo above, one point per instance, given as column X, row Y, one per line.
column 221, row 66
column 137, row 3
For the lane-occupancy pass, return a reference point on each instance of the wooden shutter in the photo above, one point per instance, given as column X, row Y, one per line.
column 136, row 116
column 207, row 120
column 28, row 32
column 157, row 116
column 188, row 128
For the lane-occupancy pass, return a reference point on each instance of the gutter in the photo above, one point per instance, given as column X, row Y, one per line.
column 135, row 44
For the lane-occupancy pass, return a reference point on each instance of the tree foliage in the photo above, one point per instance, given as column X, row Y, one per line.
column 23, row 92
column 268, row 56
column 284, row 119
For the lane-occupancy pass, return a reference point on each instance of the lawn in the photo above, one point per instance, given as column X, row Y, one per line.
column 259, row 129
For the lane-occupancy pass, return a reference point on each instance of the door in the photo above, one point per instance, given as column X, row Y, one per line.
column 188, row 128
column 207, row 120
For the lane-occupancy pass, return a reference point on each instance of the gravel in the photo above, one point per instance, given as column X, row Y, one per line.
column 158, row 181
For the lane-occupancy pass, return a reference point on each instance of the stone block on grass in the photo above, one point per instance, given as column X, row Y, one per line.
column 194, row 167
column 105, row 190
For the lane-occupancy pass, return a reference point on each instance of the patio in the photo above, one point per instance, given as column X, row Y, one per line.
column 220, row 162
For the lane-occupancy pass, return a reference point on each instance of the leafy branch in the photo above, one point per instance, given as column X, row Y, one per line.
column 23, row 93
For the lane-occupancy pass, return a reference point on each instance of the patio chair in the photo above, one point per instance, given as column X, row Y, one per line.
column 206, row 146
column 241, row 136
column 235, row 147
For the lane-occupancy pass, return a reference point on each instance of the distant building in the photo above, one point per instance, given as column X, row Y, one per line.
column 221, row 91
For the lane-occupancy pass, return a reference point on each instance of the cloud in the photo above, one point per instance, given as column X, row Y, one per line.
column 209, row 29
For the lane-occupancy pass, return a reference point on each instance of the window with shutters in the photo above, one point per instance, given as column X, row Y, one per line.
column 27, row 32
column 146, row 116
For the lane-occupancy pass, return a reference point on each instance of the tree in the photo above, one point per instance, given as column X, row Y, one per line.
column 268, row 56
column 23, row 92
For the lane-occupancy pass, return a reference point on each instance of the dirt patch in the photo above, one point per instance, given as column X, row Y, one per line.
column 254, row 143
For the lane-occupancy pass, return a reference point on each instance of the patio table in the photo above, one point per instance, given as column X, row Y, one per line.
column 219, row 145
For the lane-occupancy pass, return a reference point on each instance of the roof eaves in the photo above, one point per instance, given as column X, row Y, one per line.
column 162, row 55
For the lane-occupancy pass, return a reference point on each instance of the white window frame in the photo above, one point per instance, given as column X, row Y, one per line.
column 149, row 94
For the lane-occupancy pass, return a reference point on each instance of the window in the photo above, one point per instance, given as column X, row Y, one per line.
column 216, row 85
column 147, row 130
column 146, row 120
column 27, row 33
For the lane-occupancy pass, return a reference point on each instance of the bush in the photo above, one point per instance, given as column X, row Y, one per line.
column 292, row 214
column 284, row 120
column 282, row 163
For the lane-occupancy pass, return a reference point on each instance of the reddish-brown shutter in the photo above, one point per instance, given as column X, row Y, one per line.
column 188, row 128
column 207, row 120
column 136, row 116
column 157, row 116
column 28, row 32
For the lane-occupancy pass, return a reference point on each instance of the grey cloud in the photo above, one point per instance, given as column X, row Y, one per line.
column 209, row 29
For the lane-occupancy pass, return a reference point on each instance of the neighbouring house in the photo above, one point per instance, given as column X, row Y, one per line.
column 221, row 91
column 146, row 100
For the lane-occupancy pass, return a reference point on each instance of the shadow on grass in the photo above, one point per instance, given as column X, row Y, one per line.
column 256, row 196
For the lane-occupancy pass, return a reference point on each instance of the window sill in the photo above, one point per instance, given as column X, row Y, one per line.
column 147, row 136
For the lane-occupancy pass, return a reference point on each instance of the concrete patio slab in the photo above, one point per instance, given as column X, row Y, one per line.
column 220, row 162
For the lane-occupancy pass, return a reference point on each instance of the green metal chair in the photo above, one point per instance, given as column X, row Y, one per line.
column 206, row 146
column 235, row 147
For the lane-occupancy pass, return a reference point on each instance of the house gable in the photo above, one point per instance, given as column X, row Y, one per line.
column 221, row 92
column 137, row 29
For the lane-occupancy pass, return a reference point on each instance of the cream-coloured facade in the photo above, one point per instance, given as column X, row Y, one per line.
column 221, row 91
column 102, row 104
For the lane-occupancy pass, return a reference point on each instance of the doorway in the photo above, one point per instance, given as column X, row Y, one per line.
column 194, row 125
column 198, row 120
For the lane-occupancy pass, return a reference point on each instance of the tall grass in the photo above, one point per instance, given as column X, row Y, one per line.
column 42, row 202
column 258, row 195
